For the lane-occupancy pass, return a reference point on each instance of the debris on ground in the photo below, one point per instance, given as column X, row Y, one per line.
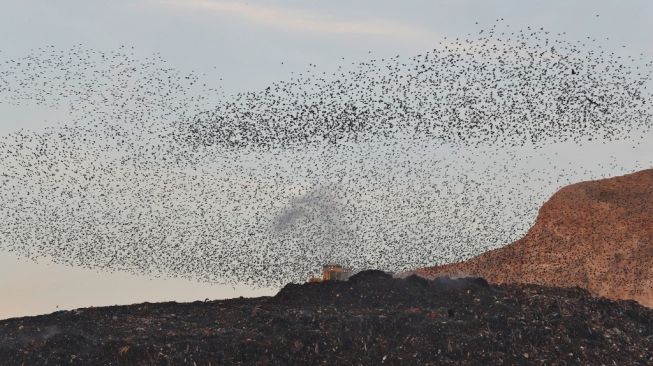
column 370, row 319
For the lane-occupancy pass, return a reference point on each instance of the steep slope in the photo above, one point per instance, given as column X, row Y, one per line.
column 597, row 235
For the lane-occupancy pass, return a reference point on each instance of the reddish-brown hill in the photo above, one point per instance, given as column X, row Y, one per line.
column 596, row 235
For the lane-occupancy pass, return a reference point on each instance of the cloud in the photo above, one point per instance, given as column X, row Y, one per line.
column 302, row 21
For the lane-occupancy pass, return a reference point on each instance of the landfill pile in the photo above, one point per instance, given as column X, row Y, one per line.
column 371, row 319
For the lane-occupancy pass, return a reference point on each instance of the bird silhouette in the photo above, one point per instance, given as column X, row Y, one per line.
column 391, row 163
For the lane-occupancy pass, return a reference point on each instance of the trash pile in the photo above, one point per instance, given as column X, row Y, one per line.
column 371, row 319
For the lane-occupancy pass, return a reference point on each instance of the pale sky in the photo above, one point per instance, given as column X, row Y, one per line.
column 250, row 44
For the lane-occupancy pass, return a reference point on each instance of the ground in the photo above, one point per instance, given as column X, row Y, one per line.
column 371, row 319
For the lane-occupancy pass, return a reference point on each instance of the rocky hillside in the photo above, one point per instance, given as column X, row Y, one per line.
column 372, row 319
column 596, row 235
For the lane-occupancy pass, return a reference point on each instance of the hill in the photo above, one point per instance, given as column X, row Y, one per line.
column 372, row 319
column 596, row 235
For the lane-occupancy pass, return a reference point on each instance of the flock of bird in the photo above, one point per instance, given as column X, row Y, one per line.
column 500, row 88
column 392, row 163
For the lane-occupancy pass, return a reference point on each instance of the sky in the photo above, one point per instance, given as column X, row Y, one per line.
column 246, row 45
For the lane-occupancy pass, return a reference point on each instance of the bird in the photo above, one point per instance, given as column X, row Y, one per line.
column 392, row 163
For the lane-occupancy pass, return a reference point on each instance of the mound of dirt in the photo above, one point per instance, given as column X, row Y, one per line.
column 373, row 319
column 596, row 235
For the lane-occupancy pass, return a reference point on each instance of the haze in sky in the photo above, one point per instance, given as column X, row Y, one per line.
column 247, row 45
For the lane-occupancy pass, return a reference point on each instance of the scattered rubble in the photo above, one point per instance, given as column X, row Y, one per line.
column 370, row 319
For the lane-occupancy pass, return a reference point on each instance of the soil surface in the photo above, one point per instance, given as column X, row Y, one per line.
column 596, row 235
column 372, row 319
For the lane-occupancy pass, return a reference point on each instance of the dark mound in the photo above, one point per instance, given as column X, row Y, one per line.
column 376, row 289
column 372, row 319
column 369, row 275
